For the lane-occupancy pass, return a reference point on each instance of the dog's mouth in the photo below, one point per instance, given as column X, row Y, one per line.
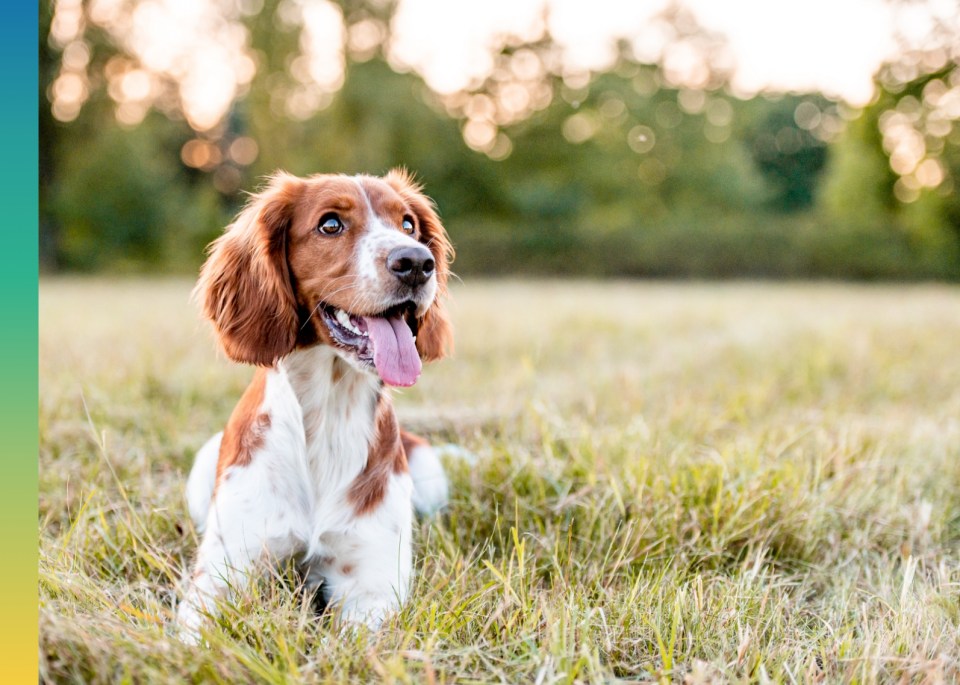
column 386, row 341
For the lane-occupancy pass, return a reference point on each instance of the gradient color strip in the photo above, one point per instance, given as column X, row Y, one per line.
column 18, row 343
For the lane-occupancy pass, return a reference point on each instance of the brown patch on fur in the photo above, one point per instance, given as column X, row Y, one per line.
column 384, row 458
column 323, row 267
column 435, row 333
column 245, row 430
column 346, row 569
column 339, row 369
column 411, row 442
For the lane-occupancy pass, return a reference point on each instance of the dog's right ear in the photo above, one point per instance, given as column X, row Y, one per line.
column 244, row 286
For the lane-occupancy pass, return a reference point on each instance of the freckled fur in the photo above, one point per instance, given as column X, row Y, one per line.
column 244, row 432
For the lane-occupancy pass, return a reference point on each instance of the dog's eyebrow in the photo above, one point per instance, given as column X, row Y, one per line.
column 382, row 198
column 395, row 207
column 341, row 203
column 339, row 198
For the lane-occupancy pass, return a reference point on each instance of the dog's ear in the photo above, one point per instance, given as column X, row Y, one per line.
column 435, row 332
column 244, row 286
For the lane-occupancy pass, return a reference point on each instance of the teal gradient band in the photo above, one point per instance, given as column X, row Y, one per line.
column 18, row 399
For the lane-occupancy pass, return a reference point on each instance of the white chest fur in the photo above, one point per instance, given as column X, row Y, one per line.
column 293, row 497
column 337, row 407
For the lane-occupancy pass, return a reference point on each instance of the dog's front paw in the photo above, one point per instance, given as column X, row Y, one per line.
column 190, row 619
column 187, row 630
column 367, row 610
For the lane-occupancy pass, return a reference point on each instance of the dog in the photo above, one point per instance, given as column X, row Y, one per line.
column 334, row 287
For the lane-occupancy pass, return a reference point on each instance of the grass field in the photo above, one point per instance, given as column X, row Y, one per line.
column 675, row 482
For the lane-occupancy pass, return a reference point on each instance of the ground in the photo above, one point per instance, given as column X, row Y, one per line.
column 678, row 482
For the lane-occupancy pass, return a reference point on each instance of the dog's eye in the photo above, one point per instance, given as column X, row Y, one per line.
column 407, row 224
column 330, row 224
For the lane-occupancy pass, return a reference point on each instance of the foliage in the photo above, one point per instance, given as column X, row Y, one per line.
column 619, row 174
column 857, row 191
column 789, row 156
column 699, row 483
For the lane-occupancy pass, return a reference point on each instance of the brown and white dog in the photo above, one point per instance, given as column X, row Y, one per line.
column 334, row 286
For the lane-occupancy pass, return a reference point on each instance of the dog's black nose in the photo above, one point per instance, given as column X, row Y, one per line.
column 412, row 265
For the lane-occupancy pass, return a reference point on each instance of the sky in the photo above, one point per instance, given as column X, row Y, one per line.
column 833, row 46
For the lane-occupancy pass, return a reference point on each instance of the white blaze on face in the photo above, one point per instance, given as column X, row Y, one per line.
column 393, row 345
column 378, row 241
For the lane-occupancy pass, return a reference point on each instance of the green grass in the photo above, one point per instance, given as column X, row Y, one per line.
column 695, row 482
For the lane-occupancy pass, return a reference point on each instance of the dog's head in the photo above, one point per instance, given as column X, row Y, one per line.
column 356, row 262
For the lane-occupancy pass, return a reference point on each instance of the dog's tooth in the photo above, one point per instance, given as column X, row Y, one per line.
column 346, row 321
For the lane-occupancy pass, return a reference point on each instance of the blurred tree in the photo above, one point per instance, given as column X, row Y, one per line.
column 857, row 191
column 126, row 206
column 49, row 224
column 789, row 156
column 538, row 168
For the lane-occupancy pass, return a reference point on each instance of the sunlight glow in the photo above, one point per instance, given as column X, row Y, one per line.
column 193, row 58
column 319, row 67
column 824, row 45
column 450, row 42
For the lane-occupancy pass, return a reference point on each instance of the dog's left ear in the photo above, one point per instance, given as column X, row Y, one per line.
column 435, row 333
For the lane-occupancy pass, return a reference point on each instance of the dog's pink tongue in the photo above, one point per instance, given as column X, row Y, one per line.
column 394, row 350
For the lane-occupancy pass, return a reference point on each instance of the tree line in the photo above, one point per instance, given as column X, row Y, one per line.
column 535, row 172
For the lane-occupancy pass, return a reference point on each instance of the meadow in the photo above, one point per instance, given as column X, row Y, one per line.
column 676, row 482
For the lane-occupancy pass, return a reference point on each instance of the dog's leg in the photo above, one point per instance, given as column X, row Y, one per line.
column 430, row 489
column 250, row 521
column 366, row 569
